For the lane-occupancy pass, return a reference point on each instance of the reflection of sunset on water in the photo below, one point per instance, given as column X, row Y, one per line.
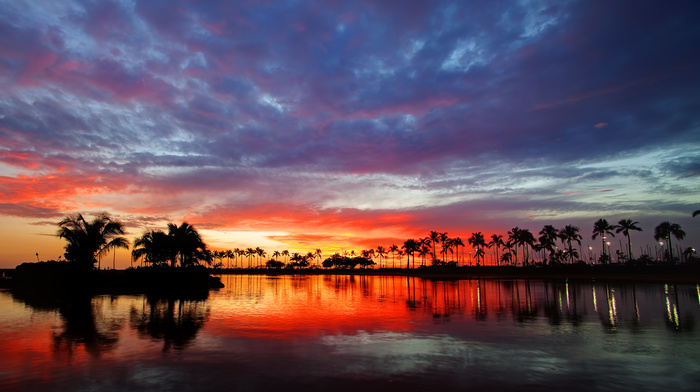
column 323, row 331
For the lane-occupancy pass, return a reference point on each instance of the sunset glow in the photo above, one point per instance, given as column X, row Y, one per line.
column 346, row 126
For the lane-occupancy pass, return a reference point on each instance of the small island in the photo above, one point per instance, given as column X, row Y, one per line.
column 175, row 262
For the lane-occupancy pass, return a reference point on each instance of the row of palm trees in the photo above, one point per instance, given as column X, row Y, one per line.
column 518, row 239
column 88, row 241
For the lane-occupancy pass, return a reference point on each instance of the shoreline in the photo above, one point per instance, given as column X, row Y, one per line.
column 617, row 272
column 146, row 281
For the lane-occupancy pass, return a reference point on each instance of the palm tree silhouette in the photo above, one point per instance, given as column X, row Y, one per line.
column 187, row 244
column 513, row 236
column 89, row 240
column 410, row 246
column 667, row 229
column 380, row 252
column 601, row 227
column 249, row 253
column 229, row 254
column 526, row 240
column 434, row 238
column 154, row 246
column 477, row 241
column 445, row 245
column 506, row 257
column 457, row 242
column 497, row 241
column 624, row 226
column 568, row 235
column 548, row 240
column 393, row 248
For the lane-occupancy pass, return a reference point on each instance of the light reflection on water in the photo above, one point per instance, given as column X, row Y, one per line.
column 366, row 332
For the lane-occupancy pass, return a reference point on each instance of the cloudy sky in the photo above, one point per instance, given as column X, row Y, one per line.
column 346, row 125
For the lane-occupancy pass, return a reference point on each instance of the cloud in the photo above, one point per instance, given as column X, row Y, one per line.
column 385, row 119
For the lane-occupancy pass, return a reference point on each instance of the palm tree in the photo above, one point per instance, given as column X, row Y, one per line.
column 260, row 252
column 477, row 241
column 410, row 246
column 380, row 252
column 497, row 241
column 506, row 258
column 187, row 244
column 624, row 226
column 548, row 240
column 229, row 254
column 445, row 245
column 513, row 236
column 393, row 248
column 249, row 252
column 423, row 252
column 154, row 246
column 457, row 242
column 526, row 240
column 89, row 240
column 667, row 229
column 285, row 253
column 568, row 235
column 601, row 227
column 434, row 239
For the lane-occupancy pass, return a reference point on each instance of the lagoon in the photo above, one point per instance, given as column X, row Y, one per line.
column 344, row 332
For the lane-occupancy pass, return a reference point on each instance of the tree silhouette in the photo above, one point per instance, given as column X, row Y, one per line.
column 548, row 240
column 456, row 243
column 477, row 241
column 187, row 245
column 89, row 240
column 526, row 240
column 444, row 239
column 624, row 226
column 513, row 236
column 155, row 247
column 568, row 235
column 667, row 229
column 497, row 241
column 601, row 228
column 393, row 248
column 410, row 246
column 380, row 252
column 434, row 239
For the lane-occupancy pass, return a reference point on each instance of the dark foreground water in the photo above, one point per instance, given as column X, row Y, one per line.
column 342, row 333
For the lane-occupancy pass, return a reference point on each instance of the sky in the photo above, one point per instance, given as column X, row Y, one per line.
column 346, row 125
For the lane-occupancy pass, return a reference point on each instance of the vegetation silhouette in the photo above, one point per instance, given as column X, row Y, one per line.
column 664, row 231
column 88, row 240
column 601, row 228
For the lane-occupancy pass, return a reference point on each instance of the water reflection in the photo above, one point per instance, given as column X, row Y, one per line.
column 317, row 333
column 83, row 327
column 618, row 305
column 174, row 321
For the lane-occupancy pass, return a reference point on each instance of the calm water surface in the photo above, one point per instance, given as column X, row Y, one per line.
column 316, row 333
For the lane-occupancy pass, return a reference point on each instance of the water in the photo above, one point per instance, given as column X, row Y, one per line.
column 364, row 333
